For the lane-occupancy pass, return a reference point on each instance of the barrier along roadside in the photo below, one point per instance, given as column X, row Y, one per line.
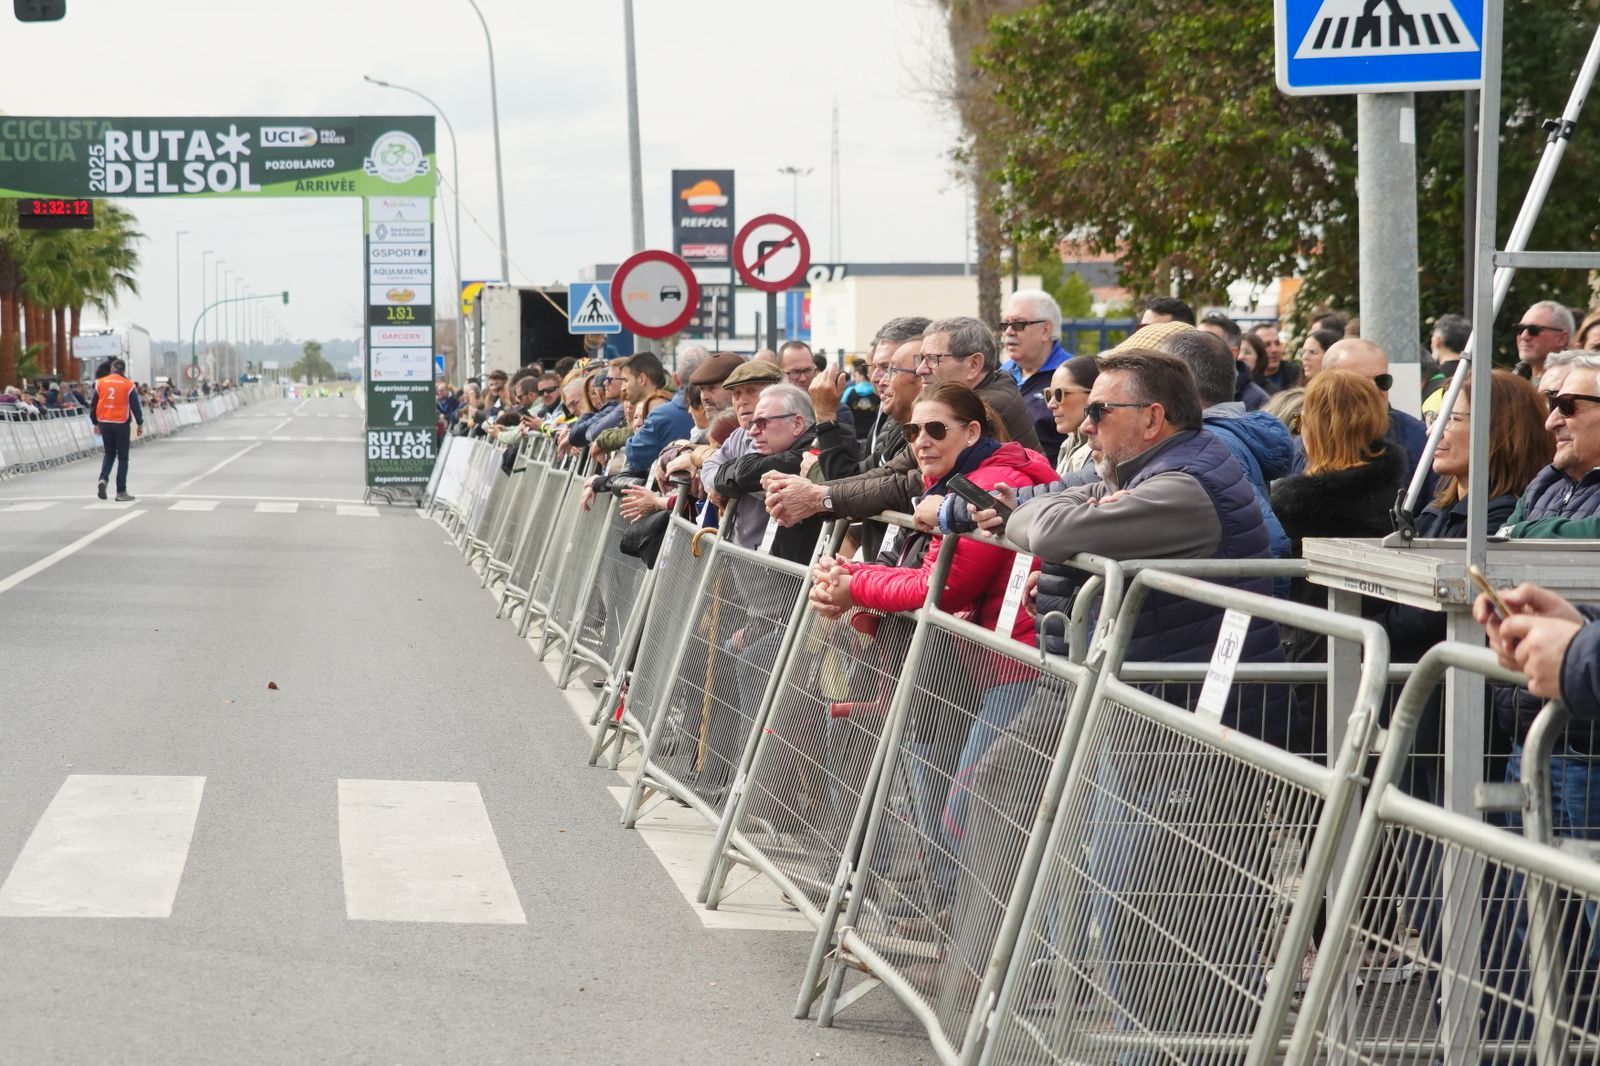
column 54, row 438
column 1088, row 857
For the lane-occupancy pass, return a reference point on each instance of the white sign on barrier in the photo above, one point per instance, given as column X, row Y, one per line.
column 1016, row 585
column 1224, row 661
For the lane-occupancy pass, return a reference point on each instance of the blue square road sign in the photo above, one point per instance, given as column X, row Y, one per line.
column 1326, row 47
column 589, row 308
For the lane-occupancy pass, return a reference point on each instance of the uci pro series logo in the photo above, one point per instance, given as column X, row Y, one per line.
column 396, row 157
column 288, row 136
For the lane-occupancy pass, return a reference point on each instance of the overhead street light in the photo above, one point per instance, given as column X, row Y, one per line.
column 499, row 170
column 455, row 182
column 796, row 173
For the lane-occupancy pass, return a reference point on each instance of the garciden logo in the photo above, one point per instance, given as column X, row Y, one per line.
column 288, row 137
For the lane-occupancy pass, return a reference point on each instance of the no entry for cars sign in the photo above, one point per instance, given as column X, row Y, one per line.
column 654, row 294
column 771, row 253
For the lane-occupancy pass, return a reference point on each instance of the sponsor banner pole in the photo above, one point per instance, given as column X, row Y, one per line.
column 399, row 346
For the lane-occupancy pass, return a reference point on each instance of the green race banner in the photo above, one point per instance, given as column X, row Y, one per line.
column 239, row 157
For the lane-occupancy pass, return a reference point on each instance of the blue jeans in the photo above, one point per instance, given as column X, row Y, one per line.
column 1575, row 815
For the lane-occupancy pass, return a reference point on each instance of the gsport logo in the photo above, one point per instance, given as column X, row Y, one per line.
column 288, row 136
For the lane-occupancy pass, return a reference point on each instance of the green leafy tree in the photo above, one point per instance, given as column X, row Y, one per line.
column 1153, row 129
column 311, row 365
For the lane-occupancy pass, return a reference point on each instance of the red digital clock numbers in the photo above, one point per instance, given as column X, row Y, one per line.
column 38, row 213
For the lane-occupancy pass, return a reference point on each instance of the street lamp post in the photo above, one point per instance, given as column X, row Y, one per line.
column 499, row 170
column 203, row 257
column 178, row 270
column 635, row 167
column 796, row 173
column 455, row 183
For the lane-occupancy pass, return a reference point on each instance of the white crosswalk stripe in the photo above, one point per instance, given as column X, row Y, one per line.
column 117, row 846
column 422, row 851
column 276, row 507
column 106, row 847
column 31, row 505
column 194, row 505
column 356, row 510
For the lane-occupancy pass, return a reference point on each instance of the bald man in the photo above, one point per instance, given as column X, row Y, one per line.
column 1367, row 359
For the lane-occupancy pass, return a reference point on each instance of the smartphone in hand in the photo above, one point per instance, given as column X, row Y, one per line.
column 979, row 499
column 1501, row 610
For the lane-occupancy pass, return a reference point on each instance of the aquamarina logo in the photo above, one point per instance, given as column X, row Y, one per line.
column 396, row 157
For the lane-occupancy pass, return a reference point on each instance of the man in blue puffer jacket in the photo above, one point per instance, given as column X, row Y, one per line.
column 1259, row 441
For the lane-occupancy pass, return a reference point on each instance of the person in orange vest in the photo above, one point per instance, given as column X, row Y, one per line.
column 115, row 398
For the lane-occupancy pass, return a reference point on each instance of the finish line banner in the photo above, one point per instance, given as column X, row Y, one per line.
column 239, row 157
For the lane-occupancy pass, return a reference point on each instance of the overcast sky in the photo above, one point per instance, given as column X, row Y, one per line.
column 742, row 84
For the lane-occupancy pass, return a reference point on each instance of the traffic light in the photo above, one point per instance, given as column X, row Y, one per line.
column 39, row 10
column 286, row 296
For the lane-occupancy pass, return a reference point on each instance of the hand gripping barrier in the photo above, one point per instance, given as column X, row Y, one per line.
column 1183, row 872
column 1498, row 931
column 643, row 668
column 973, row 759
column 725, row 665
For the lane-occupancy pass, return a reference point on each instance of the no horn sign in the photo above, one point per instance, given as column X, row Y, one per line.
column 1326, row 47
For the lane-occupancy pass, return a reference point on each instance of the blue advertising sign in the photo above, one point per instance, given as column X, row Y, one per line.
column 1327, row 47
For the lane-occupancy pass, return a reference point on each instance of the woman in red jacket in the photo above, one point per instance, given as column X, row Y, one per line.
column 951, row 432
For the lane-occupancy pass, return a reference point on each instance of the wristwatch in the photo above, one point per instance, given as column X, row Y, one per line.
column 827, row 499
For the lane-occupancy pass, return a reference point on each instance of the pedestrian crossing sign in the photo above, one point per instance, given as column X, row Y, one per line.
column 589, row 308
column 1378, row 46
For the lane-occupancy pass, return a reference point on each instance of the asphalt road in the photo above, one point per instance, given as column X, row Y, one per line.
column 397, row 855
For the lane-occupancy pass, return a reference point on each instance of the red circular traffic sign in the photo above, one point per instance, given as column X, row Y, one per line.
column 654, row 294
column 768, row 244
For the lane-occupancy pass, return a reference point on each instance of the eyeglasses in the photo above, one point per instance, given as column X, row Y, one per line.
column 1017, row 325
column 1458, row 419
column 1567, row 403
column 1549, row 397
column 1059, row 396
column 797, row 376
column 759, row 425
column 1533, row 330
column 933, row 358
column 1097, row 410
column 1383, row 381
column 936, row 430
column 613, row 377
column 900, row 370
column 552, row 388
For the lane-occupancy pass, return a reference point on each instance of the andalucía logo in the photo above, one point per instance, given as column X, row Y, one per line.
column 704, row 195
column 396, row 157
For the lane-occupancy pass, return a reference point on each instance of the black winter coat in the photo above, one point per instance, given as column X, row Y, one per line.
column 1342, row 503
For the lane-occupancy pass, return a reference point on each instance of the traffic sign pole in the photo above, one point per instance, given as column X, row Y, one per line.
column 1386, row 192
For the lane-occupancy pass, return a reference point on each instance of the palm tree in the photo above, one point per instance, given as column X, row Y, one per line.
column 46, row 279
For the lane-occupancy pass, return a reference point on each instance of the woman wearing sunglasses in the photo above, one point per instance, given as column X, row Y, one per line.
column 1066, row 397
column 951, row 431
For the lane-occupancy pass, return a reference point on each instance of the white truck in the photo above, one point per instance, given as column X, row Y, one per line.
column 127, row 342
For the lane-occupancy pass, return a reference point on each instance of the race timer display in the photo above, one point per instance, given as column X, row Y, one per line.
column 36, row 213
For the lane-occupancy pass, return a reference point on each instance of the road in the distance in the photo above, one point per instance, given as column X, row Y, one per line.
column 396, row 856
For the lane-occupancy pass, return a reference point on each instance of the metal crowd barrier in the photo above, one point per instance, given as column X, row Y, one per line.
column 30, row 442
column 731, row 648
column 642, row 668
column 1058, row 860
column 1183, row 872
column 1498, row 931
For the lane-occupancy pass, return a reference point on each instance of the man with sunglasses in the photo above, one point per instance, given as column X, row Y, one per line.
column 1545, row 328
column 1029, row 329
column 581, row 434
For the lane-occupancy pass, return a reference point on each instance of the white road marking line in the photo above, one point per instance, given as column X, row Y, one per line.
column 303, row 405
column 59, row 554
column 106, row 847
column 357, row 511
column 202, row 476
column 36, row 505
column 194, row 505
column 279, row 426
column 108, row 505
column 422, row 851
column 273, row 507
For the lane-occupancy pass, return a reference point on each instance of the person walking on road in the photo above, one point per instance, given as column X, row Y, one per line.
column 110, row 406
